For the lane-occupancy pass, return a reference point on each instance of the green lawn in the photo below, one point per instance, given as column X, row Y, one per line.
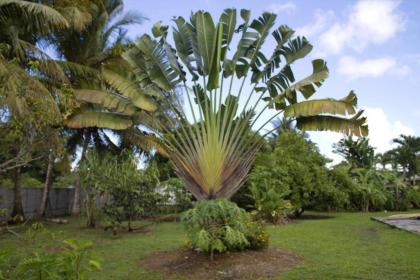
column 335, row 246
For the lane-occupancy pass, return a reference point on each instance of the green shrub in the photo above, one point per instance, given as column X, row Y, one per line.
column 132, row 191
column 270, row 204
column 256, row 235
column 220, row 226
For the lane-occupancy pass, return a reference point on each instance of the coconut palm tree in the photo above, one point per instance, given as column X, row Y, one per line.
column 358, row 153
column 407, row 154
column 106, row 90
column 225, row 88
column 27, row 79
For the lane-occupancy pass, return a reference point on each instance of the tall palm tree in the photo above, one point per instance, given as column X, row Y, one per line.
column 26, row 80
column 207, row 145
column 107, row 92
column 407, row 154
column 358, row 153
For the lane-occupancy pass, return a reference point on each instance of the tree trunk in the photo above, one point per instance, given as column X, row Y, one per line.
column 78, row 189
column 47, row 185
column 129, row 225
column 17, row 206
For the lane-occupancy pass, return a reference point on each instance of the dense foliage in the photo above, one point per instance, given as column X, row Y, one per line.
column 132, row 192
column 290, row 176
column 294, row 171
column 116, row 185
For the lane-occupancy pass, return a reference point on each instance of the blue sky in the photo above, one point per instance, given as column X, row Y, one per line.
column 372, row 47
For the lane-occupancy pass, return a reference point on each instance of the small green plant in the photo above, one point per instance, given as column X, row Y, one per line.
column 34, row 231
column 219, row 226
column 77, row 259
column 72, row 262
column 269, row 202
column 256, row 235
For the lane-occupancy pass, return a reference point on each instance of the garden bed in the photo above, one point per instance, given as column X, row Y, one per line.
column 237, row 265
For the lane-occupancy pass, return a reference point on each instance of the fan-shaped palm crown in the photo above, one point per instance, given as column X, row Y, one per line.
column 214, row 142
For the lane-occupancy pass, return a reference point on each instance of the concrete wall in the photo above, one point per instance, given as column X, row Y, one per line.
column 58, row 204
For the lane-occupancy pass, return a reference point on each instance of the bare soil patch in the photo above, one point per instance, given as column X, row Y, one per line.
column 235, row 265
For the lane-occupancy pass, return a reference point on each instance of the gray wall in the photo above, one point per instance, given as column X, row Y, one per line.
column 58, row 204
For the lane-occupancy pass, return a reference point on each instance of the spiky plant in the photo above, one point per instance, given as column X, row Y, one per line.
column 214, row 141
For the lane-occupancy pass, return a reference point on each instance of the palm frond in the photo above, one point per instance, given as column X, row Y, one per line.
column 127, row 88
column 106, row 100
column 39, row 16
column 99, row 119
column 350, row 126
column 344, row 106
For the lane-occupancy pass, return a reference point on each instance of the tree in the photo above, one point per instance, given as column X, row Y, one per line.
column 358, row 153
column 372, row 194
column 103, row 84
column 296, row 170
column 27, row 79
column 407, row 155
column 132, row 190
column 207, row 144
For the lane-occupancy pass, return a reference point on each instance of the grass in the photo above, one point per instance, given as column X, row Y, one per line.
column 333, row 246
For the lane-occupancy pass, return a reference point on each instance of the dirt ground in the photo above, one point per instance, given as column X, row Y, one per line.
column 236, row 265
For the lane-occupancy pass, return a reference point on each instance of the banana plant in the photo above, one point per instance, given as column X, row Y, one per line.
column 228, row 82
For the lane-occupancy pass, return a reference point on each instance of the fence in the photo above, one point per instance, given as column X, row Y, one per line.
column 58, row 204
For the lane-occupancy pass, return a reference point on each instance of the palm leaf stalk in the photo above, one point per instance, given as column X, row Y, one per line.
column 214, row 148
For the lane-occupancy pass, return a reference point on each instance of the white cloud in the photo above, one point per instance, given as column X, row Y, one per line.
column 369, row 22
column 287, row 7
column 325, row 142
column 353, row 68
column 322, row 19
column 382, row 130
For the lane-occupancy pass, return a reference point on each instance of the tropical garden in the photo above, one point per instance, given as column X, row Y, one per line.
column 184, row 153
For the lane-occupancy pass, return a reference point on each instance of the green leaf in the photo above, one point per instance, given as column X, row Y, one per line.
column 95, row 264
column 206, row 39
column 106, row 100
column 130, row 90
column 343, row 106
column 109, row 120
column 158, row 66
column 352, row 126
column 296, row 49
column 307, row 85
column 213, row 81
column 228, row 20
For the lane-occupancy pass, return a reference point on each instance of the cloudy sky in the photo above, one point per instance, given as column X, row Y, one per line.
column 372, row 47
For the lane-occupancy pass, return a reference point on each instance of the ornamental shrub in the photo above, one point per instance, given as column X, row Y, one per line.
column 220, row 225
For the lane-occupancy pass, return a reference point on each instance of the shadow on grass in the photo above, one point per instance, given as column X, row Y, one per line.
column 314, row 217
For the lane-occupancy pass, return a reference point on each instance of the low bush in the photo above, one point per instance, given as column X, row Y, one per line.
column 220, row 225
column 269, row 202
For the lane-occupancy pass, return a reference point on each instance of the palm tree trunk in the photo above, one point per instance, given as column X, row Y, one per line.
column 17, row 206
column 47, row 185
column 78, row 189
